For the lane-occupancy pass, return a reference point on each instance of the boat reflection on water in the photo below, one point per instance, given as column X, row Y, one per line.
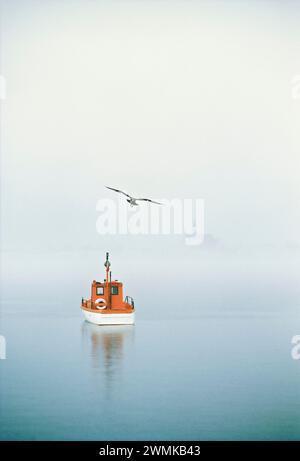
column 107, row 346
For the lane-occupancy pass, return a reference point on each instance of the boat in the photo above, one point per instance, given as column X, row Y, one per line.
column 106, row 305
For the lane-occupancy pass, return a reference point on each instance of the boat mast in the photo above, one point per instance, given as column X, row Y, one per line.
column 107, row 266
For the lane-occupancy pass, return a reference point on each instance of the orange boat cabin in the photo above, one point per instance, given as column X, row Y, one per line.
column 106, row 305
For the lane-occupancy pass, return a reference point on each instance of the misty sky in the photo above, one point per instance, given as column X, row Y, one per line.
column 164, row 99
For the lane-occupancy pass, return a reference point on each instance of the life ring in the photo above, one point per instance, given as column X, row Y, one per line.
column 100, row 303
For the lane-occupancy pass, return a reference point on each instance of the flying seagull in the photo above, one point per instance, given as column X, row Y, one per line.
column 133, row 200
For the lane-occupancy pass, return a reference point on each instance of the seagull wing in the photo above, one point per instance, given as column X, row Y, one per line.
column 118, row 190
column 148, row 200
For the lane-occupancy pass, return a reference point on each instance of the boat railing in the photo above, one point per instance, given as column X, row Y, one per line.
column 87, row 303
column 129, row 300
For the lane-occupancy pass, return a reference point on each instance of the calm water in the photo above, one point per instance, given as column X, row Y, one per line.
column 206, row 360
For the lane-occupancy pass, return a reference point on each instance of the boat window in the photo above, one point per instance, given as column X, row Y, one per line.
column 100, row 290
column 114, row 290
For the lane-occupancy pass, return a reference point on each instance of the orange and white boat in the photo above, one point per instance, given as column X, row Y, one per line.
column 106, row 305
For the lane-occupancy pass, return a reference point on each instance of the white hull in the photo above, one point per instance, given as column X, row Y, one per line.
column 109, row 319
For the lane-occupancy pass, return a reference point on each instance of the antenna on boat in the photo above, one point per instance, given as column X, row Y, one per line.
column 107, row 266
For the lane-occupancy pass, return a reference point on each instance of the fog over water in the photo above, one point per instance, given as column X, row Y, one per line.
column 167, row 100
